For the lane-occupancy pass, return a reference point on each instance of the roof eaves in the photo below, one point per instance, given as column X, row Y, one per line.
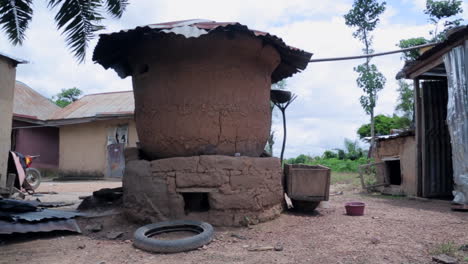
column 458, row 36
column 12, row 59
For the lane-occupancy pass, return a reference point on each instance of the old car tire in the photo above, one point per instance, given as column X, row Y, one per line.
column 144, row 241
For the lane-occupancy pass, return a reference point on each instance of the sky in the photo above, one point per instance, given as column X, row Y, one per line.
column 327, row 109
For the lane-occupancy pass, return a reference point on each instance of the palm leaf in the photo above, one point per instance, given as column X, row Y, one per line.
column 15, row 16
column 116, row 7
column 80, row 20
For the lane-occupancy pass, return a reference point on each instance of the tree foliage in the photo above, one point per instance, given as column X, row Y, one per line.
column 364, row 16
column 345, row 159
column 439, row 10
column 67, row 96
column 411, row 42
column 371, row 81
column 405, row 104
column 79, row 20
column 383, row 125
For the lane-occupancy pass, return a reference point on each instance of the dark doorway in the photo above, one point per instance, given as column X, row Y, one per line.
column 196, row 202
column 437, row 178
column 394, row 171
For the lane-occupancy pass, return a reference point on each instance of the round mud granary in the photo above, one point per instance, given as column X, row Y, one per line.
column 200, row 87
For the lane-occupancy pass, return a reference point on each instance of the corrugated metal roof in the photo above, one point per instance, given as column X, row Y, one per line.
column 30, row 104
column 111, row 50
column 456, row 35
column 99, row 105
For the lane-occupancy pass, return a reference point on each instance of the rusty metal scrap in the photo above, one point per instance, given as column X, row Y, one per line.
column 57, row 225
column 111, row 50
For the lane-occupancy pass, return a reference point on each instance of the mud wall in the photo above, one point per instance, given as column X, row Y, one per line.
column 405, row 148
column 83, row 147
column 206, row 95
column 7, row 85
column 239, row 190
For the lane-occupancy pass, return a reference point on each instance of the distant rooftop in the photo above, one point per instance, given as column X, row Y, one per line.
column 99, row 105
column 30, row 104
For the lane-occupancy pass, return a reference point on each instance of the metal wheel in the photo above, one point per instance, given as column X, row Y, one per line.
column 33, row 177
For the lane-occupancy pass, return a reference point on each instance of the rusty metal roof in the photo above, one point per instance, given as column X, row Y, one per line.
column 454, row 37
column 30, row 104
column 99, row 105
column 112, row 49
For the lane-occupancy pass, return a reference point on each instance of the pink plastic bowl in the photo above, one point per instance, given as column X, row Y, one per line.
column 355, row 208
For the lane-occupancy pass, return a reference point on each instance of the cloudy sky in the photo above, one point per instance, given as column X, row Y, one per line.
column 327, row 109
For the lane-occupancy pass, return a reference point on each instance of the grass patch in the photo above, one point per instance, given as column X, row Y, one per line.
column 344, row 178
column 448, row 248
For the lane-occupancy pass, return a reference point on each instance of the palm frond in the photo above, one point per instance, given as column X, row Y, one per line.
column 80, row 19
column 15, row 16
column 116, row 7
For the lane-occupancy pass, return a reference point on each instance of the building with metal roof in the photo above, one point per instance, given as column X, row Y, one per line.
column 31, row 105
column 87, row 137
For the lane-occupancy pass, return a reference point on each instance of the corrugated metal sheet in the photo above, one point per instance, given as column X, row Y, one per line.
column 58, row 225
column 437, row 162
column 99, row 105
column 112, row 48
column 44, row 214
column 456, row 62
column 29, row 103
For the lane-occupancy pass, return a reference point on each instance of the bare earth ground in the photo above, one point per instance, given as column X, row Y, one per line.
column 393, row 230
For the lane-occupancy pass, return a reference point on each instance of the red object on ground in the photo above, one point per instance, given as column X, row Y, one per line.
column 355, row 208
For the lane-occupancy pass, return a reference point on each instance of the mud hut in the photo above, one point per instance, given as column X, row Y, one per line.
column 202, row 112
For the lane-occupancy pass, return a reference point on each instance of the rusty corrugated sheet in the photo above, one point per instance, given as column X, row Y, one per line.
column 103, row 104
column 32, row 105
column 57, row 225
column 112, row 48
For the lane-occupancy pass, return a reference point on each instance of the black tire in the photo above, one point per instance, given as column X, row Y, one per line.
column 144, row 241
column 33, row 177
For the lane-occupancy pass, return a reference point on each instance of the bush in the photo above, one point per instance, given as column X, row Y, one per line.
column 335, row 164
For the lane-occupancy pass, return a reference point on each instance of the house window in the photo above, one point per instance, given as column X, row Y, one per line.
column 394, row 171
column 196, row 202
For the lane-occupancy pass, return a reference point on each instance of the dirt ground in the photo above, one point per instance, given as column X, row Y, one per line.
column 393, row 230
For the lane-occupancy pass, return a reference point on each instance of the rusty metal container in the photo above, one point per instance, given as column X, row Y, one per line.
column 307, row 182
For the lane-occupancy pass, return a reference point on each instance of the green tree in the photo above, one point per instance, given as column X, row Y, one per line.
column 440, row 10
column 364, row 16
column 67, row 96
column 78, row 19
column 437, row 11
column 383, row 125
column 405, row 104
column 408, row 43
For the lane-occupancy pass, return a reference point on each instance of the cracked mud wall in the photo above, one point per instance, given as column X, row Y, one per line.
column 241, row 190
column 209, row 95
